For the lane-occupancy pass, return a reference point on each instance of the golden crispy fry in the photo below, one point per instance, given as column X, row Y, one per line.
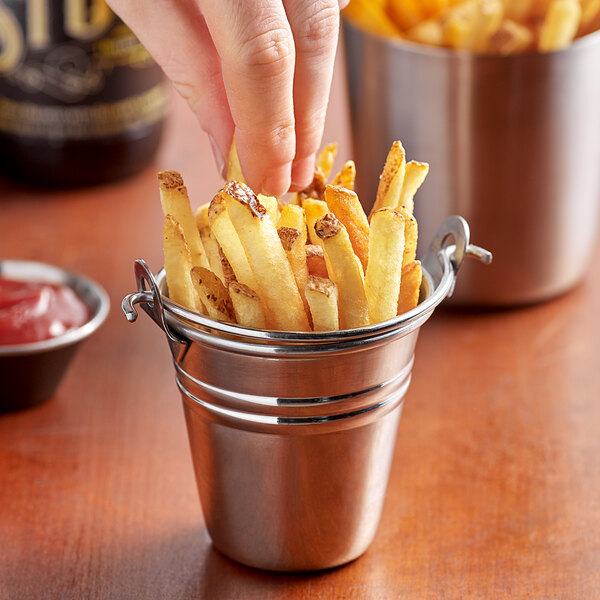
column 326, row 158
column 414, row 177
column 229, row 241
column 234, row 170
column 406, row 13
column 246, row 306
column 213, row 294
column 382, row 278
column 458, row 25
column 429, row 32
column 590, row 14
column 346, row 176
column 314, row 209
column 487, row 20
column 346, row 207
column 345, row 271
column 272, row 206
column 175, row 201
column 560, row 25
column 510, row 38
column 276, row 284
column 372, row 17
column 228, row 272
column 293, row 243
column 410, row 287
column 519, row 10
column 322, row 297
column 410, row 235
column 295, row 217
column 315, row 261
column 316, row 189
column 178, row 264
column 539, row 9
column 202, row 216
column 211, row 248
column 391, row 179
column 433, row 8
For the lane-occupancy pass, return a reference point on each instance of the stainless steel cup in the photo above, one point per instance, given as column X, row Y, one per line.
column 513, row 143
column 292, row 434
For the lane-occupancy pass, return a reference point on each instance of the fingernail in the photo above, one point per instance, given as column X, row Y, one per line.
column 276, row 185
column 302, row 172
column 219, row 160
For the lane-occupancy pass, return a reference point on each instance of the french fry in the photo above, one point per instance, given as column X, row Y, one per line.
column 410, row 235
column 326, row 158
column 345, row 271
column 229, row 241
column 228, row 272
column 316, row 189
column 488, row 18
column 539, row 9
column 246, row 306
column 314, row 210
column 429, row 32
column 322, row 297
column 178, row 264
column 276, row 284
column 175, row 201
column 344, row 204
column 372, row 17
column 213, row 294
column 519, row 10
column 346, row 176
column 590, row 14
column 293, row 243
column 315, row 261
column 414, row 176
column 410, row 287
column 211, row 247
column 293, row 216
column 405, row 13
column 391, row 179
column 560, row 25
column 432, row 8
column 234, row 169
column 458, row 25
column 202, row 216
column 272, row 206
column 382, row 278
column 510, row 38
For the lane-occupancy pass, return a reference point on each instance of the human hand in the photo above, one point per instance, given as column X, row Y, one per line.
column 261, row 69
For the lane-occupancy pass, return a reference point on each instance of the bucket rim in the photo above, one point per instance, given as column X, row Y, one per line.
column 440, row 267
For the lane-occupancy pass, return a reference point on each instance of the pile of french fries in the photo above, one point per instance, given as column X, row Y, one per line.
column 316, row 263
column 480, row 26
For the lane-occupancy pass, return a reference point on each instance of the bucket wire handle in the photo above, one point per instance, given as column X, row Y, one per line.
column 150, row 300
column 455, row 228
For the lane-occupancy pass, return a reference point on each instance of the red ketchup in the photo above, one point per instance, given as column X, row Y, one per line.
column 31, row 312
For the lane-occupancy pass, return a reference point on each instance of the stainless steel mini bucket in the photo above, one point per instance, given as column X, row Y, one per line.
column 513, row 143
column 292, row 434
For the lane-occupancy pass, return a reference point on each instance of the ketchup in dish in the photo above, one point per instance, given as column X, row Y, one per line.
column 32, row 312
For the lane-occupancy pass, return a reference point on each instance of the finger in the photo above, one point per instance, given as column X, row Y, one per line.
column 315, row 26
column 255, row 43
column 177, row 37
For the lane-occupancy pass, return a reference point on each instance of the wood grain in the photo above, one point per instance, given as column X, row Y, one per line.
column 495, row 488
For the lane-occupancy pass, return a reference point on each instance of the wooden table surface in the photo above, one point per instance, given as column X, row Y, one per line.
column 495, row 487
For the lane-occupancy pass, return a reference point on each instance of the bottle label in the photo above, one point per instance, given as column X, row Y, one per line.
column 70, row 69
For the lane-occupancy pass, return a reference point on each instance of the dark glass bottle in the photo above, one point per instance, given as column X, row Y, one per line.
column 81, row 100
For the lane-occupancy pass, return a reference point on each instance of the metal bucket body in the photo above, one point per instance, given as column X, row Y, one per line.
column 292, row 434
column 514, row 147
